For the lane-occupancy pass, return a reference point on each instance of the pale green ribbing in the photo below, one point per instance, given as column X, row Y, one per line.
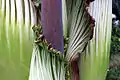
column 79, row 27
column 94, row 62
column 15, row 39
column 46, row 64
column 64, row 17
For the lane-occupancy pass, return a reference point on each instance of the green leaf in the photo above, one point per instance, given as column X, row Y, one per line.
column 118, row 39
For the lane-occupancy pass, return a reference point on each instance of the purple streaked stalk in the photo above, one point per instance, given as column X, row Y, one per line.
column 75, row 74
column 51, row 16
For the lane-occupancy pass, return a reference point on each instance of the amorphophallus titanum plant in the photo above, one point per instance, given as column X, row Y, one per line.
column 62, row 38
column 78, row 28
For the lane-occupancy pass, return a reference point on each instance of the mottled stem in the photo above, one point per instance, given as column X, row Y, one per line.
column 75, row 70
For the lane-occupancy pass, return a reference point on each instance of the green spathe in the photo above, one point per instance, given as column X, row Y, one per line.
column 94, row 62
column 15, row 39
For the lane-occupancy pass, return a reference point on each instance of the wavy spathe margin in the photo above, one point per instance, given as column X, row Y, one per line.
column 78, row 16
column 94, row 63
column 92, row 20
column 81, row 26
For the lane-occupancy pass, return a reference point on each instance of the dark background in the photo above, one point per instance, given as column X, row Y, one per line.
column 114, row 67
